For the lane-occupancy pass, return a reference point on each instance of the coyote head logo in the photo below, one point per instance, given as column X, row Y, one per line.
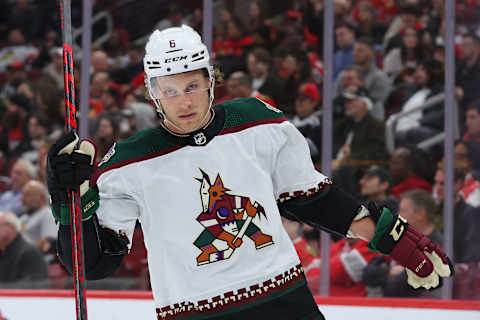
column 211, row 193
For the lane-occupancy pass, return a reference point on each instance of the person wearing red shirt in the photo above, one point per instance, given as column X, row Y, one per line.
column 348, row 257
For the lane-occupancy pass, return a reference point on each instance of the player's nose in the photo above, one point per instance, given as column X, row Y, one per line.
column 186, row 101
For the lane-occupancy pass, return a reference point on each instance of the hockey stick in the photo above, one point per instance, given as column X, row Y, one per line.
column 227, row 253
column 73, row 195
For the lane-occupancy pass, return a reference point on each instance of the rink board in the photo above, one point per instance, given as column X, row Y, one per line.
column 106, row 305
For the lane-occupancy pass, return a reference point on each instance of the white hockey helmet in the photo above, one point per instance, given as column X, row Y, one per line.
column 175, row 50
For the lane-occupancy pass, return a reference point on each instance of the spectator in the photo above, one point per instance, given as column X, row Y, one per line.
column 257, row 17
column 348, row 257
column 473, row 122
column 24, row 15
column 345, row 39
column 132, row 74
column 466, row 237
column 470, row 191
column 145, row 116
column 368, row 24
column 37, row 221
column 375, row 185
column 17, row 50
column 408, row 18
column 350, row 81
column 231, row 50
column 11, row 200
column 37, row 131
column 100, row 82
column 438, row 188
column 305, row 240
column 308, row 117
column 296, row 68
column 14, row 139
column 16, row 75
column 99, row 61
column 49, row 99
column 196, row 20
column 434, row 17
column 312, row 21
column 239, row 85
column 225, row 16
column 20, row 262
column 439, row 53
column 468, row 72
column 175, row 18
column 49, row 42
column 404, row 87
column 420, row 125
column 375, row 81
column 419, row 209
column 116, row 49
column 359, row 139
column 264, row 80
column 107, row 133
column 472, row 136
column 408, row 55
column 403, row 166
column 54, row 70
column 110, row 101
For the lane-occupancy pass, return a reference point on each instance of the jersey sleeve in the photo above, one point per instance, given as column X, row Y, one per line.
column 293, row 170
column 118, row 209
column 303, row 194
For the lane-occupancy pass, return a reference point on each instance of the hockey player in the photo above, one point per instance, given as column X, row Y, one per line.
column 216, row 249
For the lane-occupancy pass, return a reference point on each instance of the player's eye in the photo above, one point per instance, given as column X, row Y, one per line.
column 192, row 87
column 169, row 92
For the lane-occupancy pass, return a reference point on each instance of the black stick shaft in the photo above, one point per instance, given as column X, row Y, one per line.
column 74, row 198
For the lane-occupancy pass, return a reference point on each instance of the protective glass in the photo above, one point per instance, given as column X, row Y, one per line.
column 167, row 87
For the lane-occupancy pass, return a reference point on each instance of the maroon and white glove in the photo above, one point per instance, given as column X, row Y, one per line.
column 425, row 261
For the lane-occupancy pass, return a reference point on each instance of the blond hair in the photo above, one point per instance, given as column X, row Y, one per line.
column 11, row 219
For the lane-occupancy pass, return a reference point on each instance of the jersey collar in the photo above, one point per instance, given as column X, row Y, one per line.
column 202, row 136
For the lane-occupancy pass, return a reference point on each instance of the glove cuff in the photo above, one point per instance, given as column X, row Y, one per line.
column 89, row 203
column 388, row 232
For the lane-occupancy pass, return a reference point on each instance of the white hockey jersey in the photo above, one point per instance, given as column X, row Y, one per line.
column 192, row 196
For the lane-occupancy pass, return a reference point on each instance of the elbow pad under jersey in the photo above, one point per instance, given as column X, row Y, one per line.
column 332, row 210
column 104, row 249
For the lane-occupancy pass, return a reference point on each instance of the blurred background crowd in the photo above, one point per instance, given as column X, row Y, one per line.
column 388, row 128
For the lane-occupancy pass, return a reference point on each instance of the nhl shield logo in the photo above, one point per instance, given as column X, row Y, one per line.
column 200, row 138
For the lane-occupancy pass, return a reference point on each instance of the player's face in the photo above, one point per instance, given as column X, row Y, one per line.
column 185, row 100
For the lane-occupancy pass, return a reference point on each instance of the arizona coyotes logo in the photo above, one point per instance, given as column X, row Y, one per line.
column 228, row 218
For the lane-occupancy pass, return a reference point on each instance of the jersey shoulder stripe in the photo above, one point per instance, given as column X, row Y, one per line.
column 244, row 113
column 240, row 114
column 143, row 145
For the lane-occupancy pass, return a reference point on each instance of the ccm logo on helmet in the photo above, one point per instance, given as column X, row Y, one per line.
column 175, row 59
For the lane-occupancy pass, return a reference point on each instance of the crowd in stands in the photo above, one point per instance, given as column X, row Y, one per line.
column 389, row 58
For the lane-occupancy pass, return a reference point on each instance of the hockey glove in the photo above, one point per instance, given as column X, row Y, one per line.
column 69, row 168
column 425, row 261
